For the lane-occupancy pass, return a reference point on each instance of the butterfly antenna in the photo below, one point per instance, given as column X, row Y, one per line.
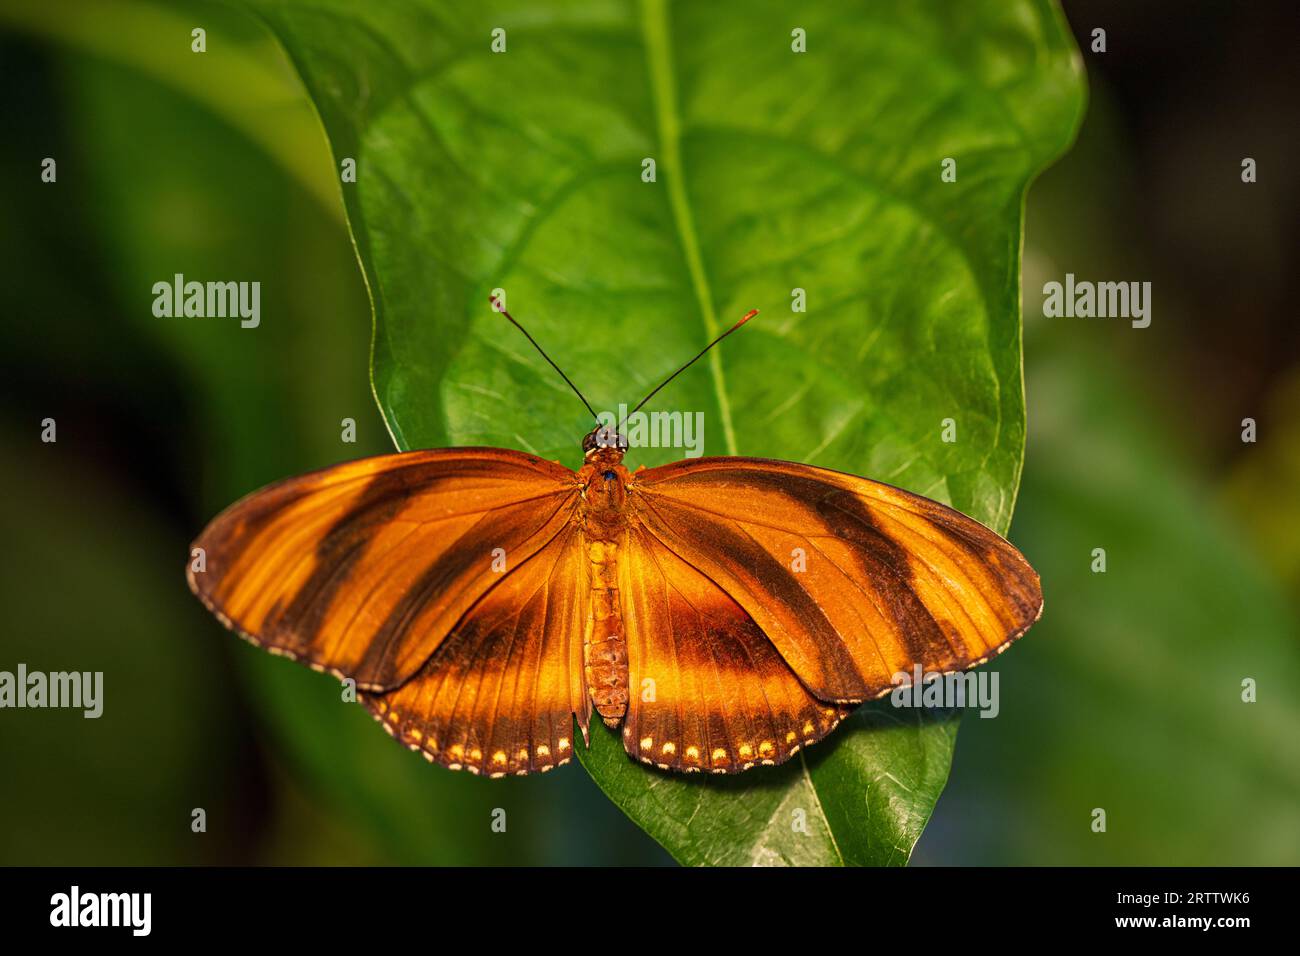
column 743, row 319
column 497, row 305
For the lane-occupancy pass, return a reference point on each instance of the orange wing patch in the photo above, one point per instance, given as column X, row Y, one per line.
column 852, row 580
column 362, row 569
column 709, row 692
column 499, row 695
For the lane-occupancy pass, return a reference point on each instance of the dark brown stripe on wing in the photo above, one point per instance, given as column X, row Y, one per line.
column 301, row 620
column 986, row 548
column 885, row 565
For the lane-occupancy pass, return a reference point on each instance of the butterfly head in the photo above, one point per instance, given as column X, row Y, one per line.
column 603, row 445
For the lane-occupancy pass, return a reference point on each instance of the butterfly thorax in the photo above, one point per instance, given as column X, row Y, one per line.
column 604, row 521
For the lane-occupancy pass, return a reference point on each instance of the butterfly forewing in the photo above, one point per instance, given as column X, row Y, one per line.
column 853, row 581
column 363, row 568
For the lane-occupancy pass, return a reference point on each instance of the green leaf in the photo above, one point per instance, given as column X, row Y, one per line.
column 774, row 171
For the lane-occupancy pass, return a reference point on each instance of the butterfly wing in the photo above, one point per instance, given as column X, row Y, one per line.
column 851, row 580
column 499, row 694
column 363, row 568
column 708, row 689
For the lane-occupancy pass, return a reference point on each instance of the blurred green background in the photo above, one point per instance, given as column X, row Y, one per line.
column 1127, row 696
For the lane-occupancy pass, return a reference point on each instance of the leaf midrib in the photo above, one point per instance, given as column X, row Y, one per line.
column 655, row 34
column 830, row 830
column 663, row 95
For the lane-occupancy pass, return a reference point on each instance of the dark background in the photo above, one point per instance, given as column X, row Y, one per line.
column 1125, row 697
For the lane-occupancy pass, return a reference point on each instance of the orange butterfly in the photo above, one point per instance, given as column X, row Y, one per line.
column 726, row 611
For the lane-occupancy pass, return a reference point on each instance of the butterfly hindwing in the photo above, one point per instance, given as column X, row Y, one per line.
column 709, row 692
column 852, row 580
column 363, row 568
column 499, row 695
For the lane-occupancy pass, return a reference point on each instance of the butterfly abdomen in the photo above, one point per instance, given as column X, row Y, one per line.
column 604, row 652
